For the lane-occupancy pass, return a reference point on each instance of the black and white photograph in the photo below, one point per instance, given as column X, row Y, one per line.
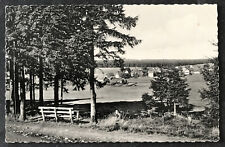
column 111, row 73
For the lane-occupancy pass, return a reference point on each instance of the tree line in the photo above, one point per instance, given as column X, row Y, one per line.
column 154, row 62
column 60, row 43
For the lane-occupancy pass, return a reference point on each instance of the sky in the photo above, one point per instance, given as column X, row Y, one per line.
column 173, row 31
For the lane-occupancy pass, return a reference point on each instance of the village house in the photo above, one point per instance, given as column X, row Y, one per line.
column 185, row 70
column 117, row 75
column 151, row 72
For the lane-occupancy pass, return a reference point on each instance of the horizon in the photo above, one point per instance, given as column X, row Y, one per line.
column 163, row 59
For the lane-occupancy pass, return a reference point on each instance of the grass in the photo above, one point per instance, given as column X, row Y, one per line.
column 123, row 93
column 174, row 127
column 196, row 82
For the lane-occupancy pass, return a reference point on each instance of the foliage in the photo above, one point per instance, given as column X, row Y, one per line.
column 119, row 63
column 62, row 39
column 125, row 73
column 210, row 73
column 155, row 62
column 148, row 99
column 41, row 38
column 170, row 86
column 145, row 71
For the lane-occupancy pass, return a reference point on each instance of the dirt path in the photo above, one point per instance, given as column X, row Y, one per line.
column 72, row 131
column 14, row 137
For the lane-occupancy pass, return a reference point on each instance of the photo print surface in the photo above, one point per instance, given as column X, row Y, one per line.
column 111, row 73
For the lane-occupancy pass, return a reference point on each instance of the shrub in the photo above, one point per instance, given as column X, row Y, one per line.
column 148, row 100
column 125, row 75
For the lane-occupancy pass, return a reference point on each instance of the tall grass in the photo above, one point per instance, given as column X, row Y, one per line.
column 173, row 127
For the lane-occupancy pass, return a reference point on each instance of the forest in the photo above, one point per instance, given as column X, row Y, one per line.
column 153, row 62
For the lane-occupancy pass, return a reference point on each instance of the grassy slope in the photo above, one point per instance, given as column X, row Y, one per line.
column 112, row 93
column 196, row 82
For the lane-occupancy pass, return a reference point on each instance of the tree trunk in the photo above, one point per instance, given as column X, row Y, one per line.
column 31, row 89
column 7, row 100
column 41, row 81
column 17, row 101
column 12, row 76
column 93, row 97
column 56, row 88
column 92, row 88
column 22, row 116
column 174, row 109
column 61, row 90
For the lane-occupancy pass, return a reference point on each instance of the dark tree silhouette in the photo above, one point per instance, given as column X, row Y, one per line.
column 102, row 22
column 210, row 73
column 171, row 88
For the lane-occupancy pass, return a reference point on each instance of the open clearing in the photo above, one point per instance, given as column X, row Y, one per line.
column 123, row 93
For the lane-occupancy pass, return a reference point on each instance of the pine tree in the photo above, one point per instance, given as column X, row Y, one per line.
column 171, row 88
column 100, row 23
column 210, row 72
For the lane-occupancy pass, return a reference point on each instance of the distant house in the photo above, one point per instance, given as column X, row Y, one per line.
column 126, row 71
column 140, row 73
column 150, row 73
column 117, row 75
column 157, row 69
column 185, row 70
column 196, row 72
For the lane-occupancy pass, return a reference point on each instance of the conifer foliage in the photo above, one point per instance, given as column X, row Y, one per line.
column 170, row 87
column 62, row 42
column 210, row 73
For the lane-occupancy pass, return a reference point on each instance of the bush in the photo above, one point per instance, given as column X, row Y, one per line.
column 148, row 100
column 125, row 75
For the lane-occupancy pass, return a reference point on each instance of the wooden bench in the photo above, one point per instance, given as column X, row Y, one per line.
column 58, row 112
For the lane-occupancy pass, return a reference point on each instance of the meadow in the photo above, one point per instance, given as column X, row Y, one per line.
column 123, row 93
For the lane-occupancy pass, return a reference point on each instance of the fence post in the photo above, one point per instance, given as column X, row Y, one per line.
column 56, row 119
column 43, row 115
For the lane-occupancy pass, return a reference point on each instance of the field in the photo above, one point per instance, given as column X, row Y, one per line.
column 122, row 93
